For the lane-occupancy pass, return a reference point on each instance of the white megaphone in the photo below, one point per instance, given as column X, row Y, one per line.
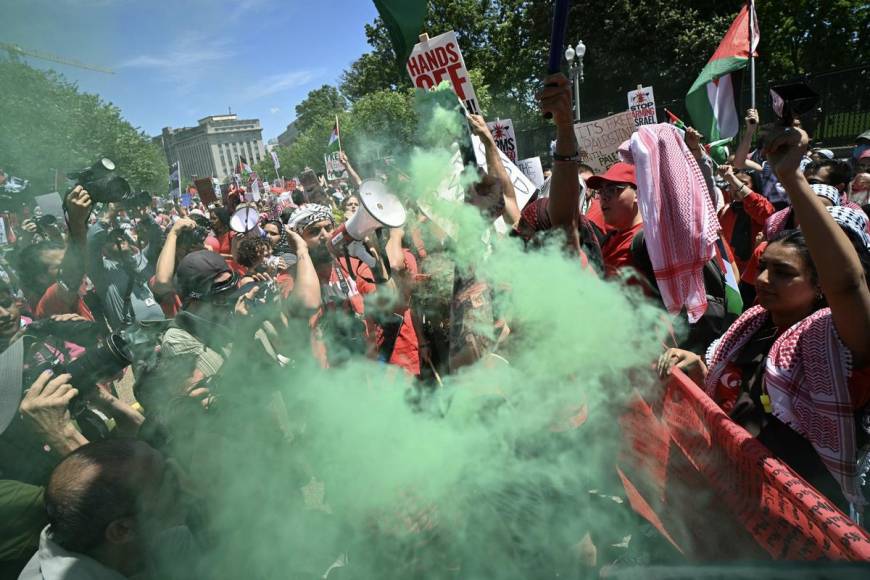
column 245, row 218
column 378, row 208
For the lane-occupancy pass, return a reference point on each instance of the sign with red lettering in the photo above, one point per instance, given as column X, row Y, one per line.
column 642, row 104
column 505, row 138
column 439, row 59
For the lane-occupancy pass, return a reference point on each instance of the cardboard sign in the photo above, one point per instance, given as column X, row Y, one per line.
column 50, row 204
column 505, row 138
column 439, row 59
column 334, row 168
column 532, row 169
column 642, row 105
column 523, row 186
column 205, row 189
column 599, row 140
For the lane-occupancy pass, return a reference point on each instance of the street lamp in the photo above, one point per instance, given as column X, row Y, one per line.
column 574, row 56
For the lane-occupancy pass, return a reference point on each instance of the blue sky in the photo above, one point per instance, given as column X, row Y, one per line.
column 177, row 61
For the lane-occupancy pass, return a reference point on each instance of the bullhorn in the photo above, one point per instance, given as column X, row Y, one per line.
column 378, row 208
column 245, row 218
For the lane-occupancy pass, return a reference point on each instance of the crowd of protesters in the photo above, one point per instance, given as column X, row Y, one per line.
column 87, row 490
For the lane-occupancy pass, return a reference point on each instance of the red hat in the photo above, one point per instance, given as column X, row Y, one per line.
column 618, row 173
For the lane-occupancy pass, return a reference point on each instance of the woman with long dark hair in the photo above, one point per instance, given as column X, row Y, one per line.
column 795, row 369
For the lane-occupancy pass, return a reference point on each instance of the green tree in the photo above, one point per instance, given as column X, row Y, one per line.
column 48, row 128
column 663, row 42
column 320, row 103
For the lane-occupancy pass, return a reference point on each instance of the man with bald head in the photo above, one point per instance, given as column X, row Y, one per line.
column 110, row 505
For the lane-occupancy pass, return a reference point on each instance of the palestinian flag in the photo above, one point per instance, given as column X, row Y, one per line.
column 334, row 143
column 244, row 169
column 711, row 101
column 733, row 299
column 675, row 121
column 404, row 20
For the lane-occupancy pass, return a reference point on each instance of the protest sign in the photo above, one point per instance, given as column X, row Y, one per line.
column 439, row 59
column 505, row 138
column 4, row 239
column 642, row 105
column 523, row 186
column 185, row 199
column 50, row 204
column 205, row 189
column 600, row 139
column 532, row 169
column 334, row 167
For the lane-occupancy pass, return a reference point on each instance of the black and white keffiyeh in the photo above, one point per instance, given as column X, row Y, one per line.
column 308, row 214
column 853, row 220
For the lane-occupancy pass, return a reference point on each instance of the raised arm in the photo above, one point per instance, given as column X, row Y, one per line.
column 741, row 160
column 564, row 206
column 705, row 162
column 354, row 176
column 841, row 274
column 165, row 268
column 74, row 261
column 306, row 287
column 495, row 169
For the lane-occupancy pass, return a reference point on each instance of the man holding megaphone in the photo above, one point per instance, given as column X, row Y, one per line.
column 349, row 266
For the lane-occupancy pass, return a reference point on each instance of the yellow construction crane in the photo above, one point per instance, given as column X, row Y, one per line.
column 15, row 50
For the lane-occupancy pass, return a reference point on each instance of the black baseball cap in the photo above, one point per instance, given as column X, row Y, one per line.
column 197, row 272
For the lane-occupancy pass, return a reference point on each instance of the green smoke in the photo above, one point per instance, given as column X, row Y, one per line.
column 481, row 478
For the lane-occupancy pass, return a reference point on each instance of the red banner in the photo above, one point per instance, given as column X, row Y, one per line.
column 716, row 493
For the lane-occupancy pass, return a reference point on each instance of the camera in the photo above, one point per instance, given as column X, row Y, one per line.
column 103, row 185
column 267, row 293
column 104, row 357
column 195, row 237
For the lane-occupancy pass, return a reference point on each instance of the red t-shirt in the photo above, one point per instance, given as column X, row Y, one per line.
column 758, row 209
column 616, row 250
column 596, row 216
column 406, row 351
column 169, row 302
column 225, row 242
column 53, row 302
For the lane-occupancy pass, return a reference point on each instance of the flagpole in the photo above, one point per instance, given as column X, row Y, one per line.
column 751, row 8
column 338, row 132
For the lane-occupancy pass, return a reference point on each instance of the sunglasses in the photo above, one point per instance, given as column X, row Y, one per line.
column 316, row 231
column 613, row 189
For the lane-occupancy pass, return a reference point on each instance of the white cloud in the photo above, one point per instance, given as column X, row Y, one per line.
column 275, row 110
column 278, row 83
column 191, row 60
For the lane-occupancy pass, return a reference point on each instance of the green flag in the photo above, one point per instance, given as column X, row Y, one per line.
column 404, row 20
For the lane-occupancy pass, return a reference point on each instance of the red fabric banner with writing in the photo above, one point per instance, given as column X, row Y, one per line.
column 716, row 493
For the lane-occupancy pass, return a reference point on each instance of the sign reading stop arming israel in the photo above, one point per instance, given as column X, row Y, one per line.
column 642, row 105
column 505, row 138
column 439, row 59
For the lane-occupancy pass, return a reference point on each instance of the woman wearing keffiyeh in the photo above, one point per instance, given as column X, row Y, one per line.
column 795, row 369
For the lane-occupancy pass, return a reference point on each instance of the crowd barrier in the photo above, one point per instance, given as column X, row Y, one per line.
column 716, row 493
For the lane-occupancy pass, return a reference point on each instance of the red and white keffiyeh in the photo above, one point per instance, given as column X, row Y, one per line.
column 679, row 222
column 806, row 375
